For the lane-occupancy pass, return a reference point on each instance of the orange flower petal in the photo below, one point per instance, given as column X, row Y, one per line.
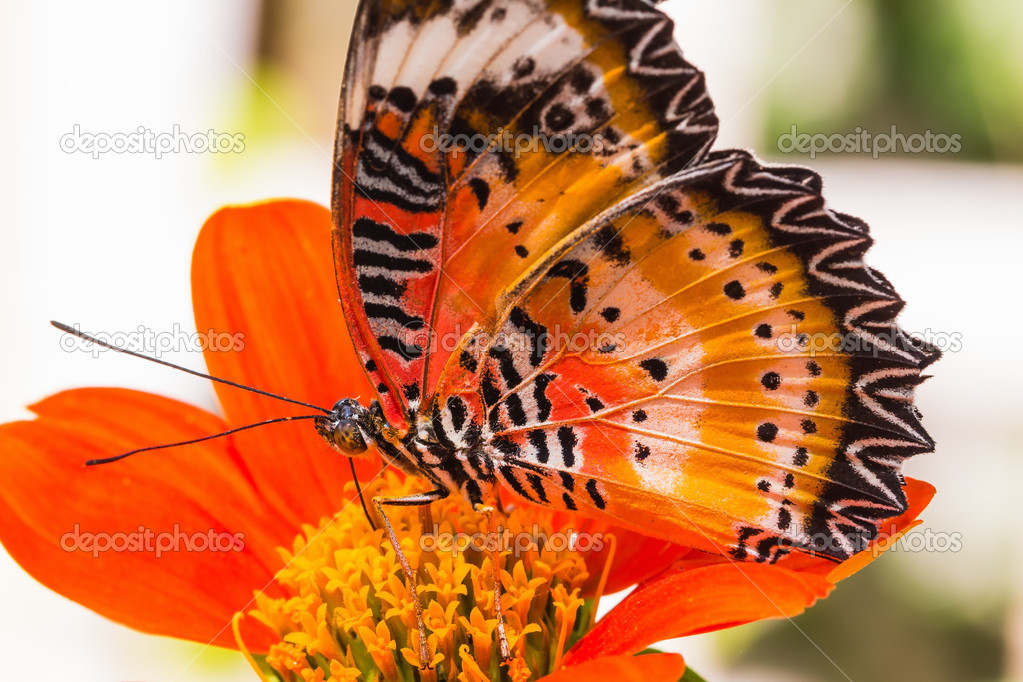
column 264, row 273
column 637, row 557
column 646, row 668
column 919, row 495
column 154, row 501
column 699, row 600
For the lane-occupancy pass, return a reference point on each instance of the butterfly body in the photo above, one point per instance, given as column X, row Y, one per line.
column 638, row 327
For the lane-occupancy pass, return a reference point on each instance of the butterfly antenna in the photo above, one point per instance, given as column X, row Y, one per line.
column 358, row 489
column 108, row 460
column 82, row 335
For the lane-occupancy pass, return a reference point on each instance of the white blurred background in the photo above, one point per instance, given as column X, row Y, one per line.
column 106, row 243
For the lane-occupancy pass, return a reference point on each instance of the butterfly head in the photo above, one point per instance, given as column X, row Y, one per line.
column 346, row 428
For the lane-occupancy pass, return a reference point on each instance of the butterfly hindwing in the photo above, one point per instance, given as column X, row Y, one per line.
column 674, row 364
column 475, row 135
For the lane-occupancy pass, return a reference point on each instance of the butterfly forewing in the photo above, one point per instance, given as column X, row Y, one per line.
column 476, row 135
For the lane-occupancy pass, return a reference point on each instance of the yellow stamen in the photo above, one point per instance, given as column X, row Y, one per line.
column 349, row 609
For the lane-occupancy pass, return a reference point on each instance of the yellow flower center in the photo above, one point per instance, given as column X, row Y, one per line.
column 352, row 616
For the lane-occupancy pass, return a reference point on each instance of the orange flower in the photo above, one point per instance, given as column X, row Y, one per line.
column 177, row 542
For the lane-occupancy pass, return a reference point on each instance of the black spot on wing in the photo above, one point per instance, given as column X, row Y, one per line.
column 594, row 403
column 784, row 518
column 481, row 189
column 734, row 290
column 444, row 87
column 578, row 275
column 403, row 99
column 767, row 432
column 655, row 367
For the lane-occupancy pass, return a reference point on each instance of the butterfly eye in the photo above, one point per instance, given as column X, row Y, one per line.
column 348, row 438
column 344, row 436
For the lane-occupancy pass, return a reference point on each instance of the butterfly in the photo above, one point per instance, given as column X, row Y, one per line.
column 616, row 321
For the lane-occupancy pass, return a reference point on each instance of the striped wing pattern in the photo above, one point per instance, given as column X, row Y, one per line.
column 593, row 310
column 592, row 101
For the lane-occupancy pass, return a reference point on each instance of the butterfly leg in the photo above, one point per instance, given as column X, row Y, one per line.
column 495, row 562
column 410, row 501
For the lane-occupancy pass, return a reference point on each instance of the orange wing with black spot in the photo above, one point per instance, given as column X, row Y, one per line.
column 475, row 135
column 710, row 362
